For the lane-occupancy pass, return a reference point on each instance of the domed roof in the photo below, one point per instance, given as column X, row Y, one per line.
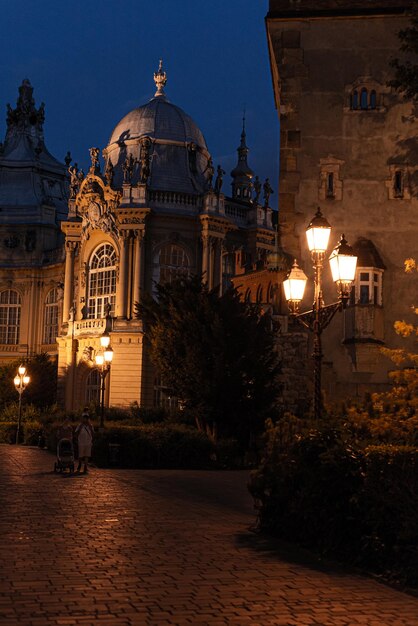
column 178, row 157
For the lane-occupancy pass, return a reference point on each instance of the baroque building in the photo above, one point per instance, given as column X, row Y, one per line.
column 348, row 144
column 79, row 250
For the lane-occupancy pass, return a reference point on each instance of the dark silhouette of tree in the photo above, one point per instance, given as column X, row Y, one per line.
column 216, row 354
column 406, row 68
column 42, row 389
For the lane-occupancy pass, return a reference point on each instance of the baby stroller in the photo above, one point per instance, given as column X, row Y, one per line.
column 65, row 456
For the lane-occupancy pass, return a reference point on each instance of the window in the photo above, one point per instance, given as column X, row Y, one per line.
column 51, row 317
column 163, row 395
column 364, row 105
column 354, row 100
column 373, row 99
column 330, row 185
column 101, row 281
column 228, row 270
column 398, row 184
column 368, row 286
column 10, row 304
column 172, row 262
column 259, row 297
column 93, row 387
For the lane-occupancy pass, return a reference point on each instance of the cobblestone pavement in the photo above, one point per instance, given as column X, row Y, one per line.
column 159, row 548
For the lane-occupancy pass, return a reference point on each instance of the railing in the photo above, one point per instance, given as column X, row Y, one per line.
column 237, row 213
column 172, row 197
column 94, row 326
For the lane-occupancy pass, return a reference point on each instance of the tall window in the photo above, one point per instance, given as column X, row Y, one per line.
column 10, row 304
column 102, row 281
column 51, row 317
column 93, row 387
column 172, row 262
column 228, row 270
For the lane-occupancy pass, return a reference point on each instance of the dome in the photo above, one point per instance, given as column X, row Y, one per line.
column 178, row 155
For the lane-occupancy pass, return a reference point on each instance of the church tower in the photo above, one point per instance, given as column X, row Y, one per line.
column 348, row 144
column 242, row 174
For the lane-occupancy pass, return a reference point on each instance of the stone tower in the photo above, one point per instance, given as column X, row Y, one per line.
column 349, row 145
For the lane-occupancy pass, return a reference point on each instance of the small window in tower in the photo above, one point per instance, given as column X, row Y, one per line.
column 364, row 294
column 398, row 184
column 330, row 185
column 238, row 192
column 354, row 100
column 373, row 99
column 364, row 105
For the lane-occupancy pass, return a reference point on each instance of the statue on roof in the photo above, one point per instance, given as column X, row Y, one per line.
column 109, row 172
column 74, row 181
column 145, row 160
column 219, row 179
column 128, row 169
column 267, row 189
column 257, row 189
column 94, row 156
column 160, row 79
column 210, row 172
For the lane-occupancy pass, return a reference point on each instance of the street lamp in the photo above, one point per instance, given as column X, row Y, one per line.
column 343, row 264
column 103, row 361
column 21, row 381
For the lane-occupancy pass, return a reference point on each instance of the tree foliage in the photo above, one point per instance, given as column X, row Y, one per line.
column 406, row 68
column 42, row 389
column 216, row 354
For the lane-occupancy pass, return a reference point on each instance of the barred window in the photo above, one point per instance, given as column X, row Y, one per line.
column 172, row 262
column 10, row 305
column 102, row 281
column 51, row 317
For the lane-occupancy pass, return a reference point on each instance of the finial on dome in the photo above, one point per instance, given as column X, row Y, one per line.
column 160, row 79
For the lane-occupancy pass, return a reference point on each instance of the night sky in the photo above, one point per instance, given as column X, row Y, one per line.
column 92, row 61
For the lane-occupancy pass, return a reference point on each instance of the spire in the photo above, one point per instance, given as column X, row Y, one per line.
column 160, row 79
column 25, row 118
column 242, row 174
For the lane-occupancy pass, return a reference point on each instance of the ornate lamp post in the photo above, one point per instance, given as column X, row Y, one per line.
column 21, row 381
column 103, row 362
column 343, row 267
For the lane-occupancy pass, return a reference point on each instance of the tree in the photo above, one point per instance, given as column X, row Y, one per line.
column 406, row 69
column 216, row 354
column 42, row 389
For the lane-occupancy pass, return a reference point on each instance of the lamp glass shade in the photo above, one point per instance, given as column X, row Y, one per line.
column 343, row 262
column 16, row 381
column 108, row 355
column 105, row 340
column 317, row 233
column 99, row 358
column 22, row 370
column 26, row 380
column 294, row 285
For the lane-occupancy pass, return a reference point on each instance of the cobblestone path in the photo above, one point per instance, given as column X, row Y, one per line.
column 159, row 548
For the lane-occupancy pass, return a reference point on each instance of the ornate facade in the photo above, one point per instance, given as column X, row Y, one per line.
column 155, row 210
column 349, row 144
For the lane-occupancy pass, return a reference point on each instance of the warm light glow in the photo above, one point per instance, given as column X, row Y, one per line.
column 99, row 358
column 22, row 370
column 294, row 285
column 108, row 355
column 343, row 262
column 318, row 232
column 26, row 380
column 16, row 381
column 105, row 340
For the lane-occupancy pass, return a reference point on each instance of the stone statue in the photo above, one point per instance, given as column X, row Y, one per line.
column 109, row 171
column 219, row 179
column 94, row 155
column 145, row 160
column 257, row 189
column 107, row 309
column 80, row 175
column 211, row 171
column 193, row 157
column 68, row 159
column 74, row 181
column 250, row 191
column 128, row 169
column 267, row 192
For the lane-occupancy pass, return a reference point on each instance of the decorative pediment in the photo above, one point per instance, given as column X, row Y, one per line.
column 95, row 203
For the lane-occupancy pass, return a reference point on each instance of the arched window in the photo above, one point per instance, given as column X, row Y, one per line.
column 51, row 317
column 10, row 304
column 93, row 387
column 330, row 185
column 354, row 100
column 247, row 297
column 259, row 297
column 363, row 99
column 171, row 263
column 101, row 281
column 373, row 99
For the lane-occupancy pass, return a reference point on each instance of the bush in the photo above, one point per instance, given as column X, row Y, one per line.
column 8, row 432
column 317, row 487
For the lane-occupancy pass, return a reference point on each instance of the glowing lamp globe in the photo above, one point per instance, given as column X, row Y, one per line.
column 317, row 233
column 343, row 262
column 294, row 285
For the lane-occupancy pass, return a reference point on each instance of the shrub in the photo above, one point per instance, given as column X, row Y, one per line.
column 8, row 432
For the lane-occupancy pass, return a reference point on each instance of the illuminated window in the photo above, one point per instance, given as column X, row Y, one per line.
column 172, row 263
column 10, row 305
column 51, row 317
column 93, row 387
column 368, row 286
column 102, row 281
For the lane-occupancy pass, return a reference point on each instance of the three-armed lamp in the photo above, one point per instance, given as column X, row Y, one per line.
column 103, row 362
column 21, row 381
column 343, row 264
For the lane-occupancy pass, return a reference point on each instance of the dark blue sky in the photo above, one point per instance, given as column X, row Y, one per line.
column 92, row 61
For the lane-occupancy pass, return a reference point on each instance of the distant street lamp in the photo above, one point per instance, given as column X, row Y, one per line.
column 103, row 361
column 21, row 381
column 343, row 264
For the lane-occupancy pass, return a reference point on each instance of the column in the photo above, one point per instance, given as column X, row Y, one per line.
column 138, row 278
column 121, row 295
column 205, row 258
column 70, row 247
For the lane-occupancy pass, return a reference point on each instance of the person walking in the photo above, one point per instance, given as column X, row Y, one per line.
column 84, row 433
